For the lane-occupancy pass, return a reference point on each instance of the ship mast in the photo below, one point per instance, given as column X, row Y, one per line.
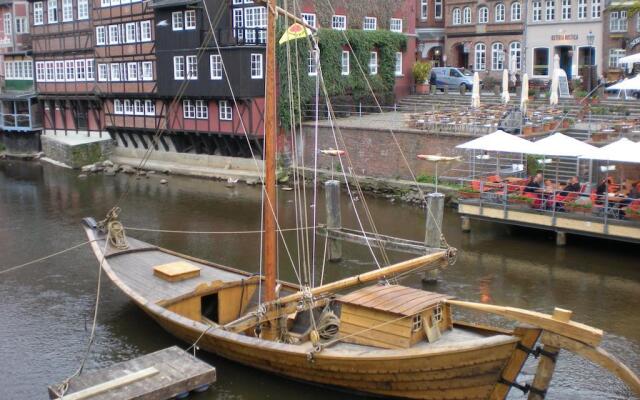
column 269, row 206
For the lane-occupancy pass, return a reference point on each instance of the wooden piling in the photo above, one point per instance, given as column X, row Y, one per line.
column 561, row 238
column 334, row 217
column 466, row 224
column 433, row 234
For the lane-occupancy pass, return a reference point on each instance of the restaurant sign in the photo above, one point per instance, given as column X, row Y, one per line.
column 633, row 43
column 566, row 36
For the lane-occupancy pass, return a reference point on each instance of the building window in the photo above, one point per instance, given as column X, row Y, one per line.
column 147, row 71
column 149, row 108
column 398, row 64
column 483, row 15
column 89, row 68
column 480, row 57
column 192, row 67
column 457, row 16
column 115, row 72
column 582, row 9
column 6, row 24
column 40, row 75
column 128, row 107
column 595, row 8
column 190, row 19
column 256, row 66
column 515, row 56
column 101, row 36
column 188, row 109
column 370, row 24
column 344, row 63
column 67, row 10
column 103, row 73
column 70, row 67
column 138, row 107
column 395, row 25
column 132, row 71
column 618, row 21
column 117, row 107
column 255, row 20
column 177, row 22
column 225, row 112
column 312, row 63
column 310, row 19
column 537, row 11
column 497, row 56
column 50, row 71
column 516, row 11
column 550, row 9
column 614, row 57
column 202, row 109
column 566, row 10
column 38, row 14
column 80, row 70
column 216, row 66
column 466, row 15
column 83, row 9
column 500, row 12
column 178, row 67
column 424, row 9
column 52, row 14
column 373, row 63
column 339, row 22
column 59, row 71
column 238, row 23
column 130, row 32
column 145, row 31
column 114, row 34
column 438, row 9
column 541, row 61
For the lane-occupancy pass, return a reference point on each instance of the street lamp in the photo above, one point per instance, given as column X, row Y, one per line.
column 591, row 38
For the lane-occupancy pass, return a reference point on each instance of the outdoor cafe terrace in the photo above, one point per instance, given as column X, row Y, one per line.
column 601, row 197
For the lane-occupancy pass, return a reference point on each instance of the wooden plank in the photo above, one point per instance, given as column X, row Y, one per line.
column 528, row 338
column 112, row 384
column 573, row 330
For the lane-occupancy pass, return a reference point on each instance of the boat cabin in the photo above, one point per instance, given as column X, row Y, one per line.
column 393, row 316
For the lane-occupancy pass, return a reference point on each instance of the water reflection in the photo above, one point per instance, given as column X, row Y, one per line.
column 45, row 309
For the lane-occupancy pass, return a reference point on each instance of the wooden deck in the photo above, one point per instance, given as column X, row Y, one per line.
column 156, row 376
column 560, row 222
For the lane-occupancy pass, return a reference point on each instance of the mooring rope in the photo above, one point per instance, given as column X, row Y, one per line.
column 15, row 267
column 250, row 232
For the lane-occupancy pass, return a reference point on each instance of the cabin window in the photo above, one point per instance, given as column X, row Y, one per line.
column 38, row 14
column 190, row 19
column 225, row 112
column 437, row 314
column 416, row 323
column 177, row 22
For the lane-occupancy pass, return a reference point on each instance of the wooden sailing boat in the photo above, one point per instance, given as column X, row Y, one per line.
column 378, row 339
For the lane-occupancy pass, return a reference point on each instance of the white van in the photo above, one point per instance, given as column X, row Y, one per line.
column 452, row 77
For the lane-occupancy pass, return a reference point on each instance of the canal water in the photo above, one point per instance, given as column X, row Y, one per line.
column 45, row 309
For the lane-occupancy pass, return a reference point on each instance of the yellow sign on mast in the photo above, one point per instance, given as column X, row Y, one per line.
column 295, row 31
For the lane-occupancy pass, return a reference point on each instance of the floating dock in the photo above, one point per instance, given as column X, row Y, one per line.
column 157, row 376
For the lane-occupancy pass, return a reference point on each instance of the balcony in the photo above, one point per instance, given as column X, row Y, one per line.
column 20, row 112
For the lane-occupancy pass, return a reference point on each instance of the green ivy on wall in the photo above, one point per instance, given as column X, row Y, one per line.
column 350, row 88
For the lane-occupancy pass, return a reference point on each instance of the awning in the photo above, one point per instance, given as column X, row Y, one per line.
column 561, row 145
column 499, row 141
column 623, row 150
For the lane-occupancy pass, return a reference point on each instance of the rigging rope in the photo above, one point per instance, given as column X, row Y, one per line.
column 37, row 260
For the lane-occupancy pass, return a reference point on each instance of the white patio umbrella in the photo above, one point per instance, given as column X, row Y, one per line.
column 524, row 96
column 505, row 86
column 561, row 145
column 475, row 93
column 555, row 78
column 623, row 150
column 499, row 141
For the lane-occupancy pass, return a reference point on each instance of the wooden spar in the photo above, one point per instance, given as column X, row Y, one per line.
column 290, row 15
column 370, row 276
column 597, row 356
column 574, row 330
column 269, row 206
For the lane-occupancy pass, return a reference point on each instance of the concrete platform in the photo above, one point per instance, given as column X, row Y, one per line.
column 76, row 150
